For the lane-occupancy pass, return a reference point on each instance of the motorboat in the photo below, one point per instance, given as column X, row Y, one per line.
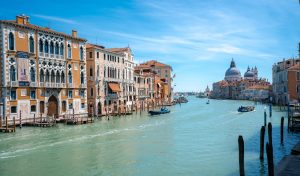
column 245, row 108
column 162, row 111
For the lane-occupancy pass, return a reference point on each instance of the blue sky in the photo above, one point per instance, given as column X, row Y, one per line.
column 197, row 38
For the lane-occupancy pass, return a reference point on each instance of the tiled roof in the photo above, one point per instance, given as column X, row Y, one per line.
column 39, row 28
column 117, row 50
column 89, row 45
column 154, row 63
column 295, row 67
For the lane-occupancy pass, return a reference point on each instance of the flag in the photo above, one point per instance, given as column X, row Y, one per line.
column 174, row 75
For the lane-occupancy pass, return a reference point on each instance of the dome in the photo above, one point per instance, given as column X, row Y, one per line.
column 249, row 73
column 233, row 73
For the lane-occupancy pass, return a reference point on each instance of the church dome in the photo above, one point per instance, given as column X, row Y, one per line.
column 233, row 73
column 249, row 73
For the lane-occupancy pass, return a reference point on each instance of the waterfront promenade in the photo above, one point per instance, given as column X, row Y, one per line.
column 194, row 139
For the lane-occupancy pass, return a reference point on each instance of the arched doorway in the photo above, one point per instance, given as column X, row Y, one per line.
column 99, row 109
column 52, row 106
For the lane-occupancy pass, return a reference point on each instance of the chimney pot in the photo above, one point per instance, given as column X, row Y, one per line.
column 74, row 33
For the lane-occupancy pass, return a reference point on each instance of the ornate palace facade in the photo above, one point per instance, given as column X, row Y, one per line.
column 43, row 72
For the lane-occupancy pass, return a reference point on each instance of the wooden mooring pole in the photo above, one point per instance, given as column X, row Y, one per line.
column 265, row 118
column 281, row 130
column 269, row 150
column 14, row 124
column 262, row 142
column 270, row 110
column 241, row 156
column 6, row 123
column 270, row 133
column 20, row 119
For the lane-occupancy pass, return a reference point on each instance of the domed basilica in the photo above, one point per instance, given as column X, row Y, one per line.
column 234, row 74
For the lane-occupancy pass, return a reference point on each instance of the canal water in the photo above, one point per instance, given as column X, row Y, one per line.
column 194, row 139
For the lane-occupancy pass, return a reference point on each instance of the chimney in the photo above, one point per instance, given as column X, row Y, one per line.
column 22, row 19
column 74, row 33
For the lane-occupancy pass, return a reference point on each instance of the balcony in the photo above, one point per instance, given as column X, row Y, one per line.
column 12, row 84
column 113, row 96
column 33, row 84
column 70, row 85
column 42, row 84
column 82, row 86
column 41, row 54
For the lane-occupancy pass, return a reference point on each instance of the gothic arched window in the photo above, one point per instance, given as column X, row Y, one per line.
column 31, row 44
column 11, row 41
column 41, row 47
column 46, row 47
column 47, row 76
column 69, row 51
column 70, row 76
column 81, row 78
column 62, row 77
column 56, row 49
column 52, row 76
column 81, row 53
column 12, row 71
column 51, row 48
column 62, row 49
column 57, row 77
column 42, row 76
column 32, row 74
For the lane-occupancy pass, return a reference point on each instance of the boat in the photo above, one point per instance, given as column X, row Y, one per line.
column 246, row 108
column 207, row 102
column 162, row 111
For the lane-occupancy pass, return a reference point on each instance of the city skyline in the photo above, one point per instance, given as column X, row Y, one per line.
column 198, row 39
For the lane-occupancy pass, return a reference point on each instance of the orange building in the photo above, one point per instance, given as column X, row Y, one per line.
column 293, row 83
column 43, row 72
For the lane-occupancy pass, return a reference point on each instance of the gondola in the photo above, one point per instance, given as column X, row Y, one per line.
column 246, row 108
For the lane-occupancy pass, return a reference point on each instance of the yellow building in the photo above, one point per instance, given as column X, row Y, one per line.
column 43, row 72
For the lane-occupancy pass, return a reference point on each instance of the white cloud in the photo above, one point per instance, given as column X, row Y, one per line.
column 57, row 19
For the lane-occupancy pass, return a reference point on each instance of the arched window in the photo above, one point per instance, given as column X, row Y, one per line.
column 98, row 71
column 51, row 48
column 57, row 77
column 62, row 77
column 61, row 49
column 41, row 47
column 52, row 76
column 70, row 76
column 32, row 74
column 56, row 49
column 42, row 76
column 46, row 47
column 81, row 53
column 12, row 71
column 82, row 78
column 47, row 76
column 69, row 51
column 31, row 44
column 11, row 41
column 91, row 71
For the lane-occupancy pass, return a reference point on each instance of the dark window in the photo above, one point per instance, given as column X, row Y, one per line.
column 70, row 77
column 32, row 74
column 56, row 49
column 42, row 76
column 97, row 55
column 47, row 76
column 57, row 77
column 91, row 54
column 12, row 71
column 51, row 48
column 82, row 93
column 62, row 77
column 13, row 95
column 104, row 56
column 70, row 94
column 92, row 92
column 64, row 106
column 11, row 41
column 41, row 47
column 61, row 49
column 46, row 47
column 31, row 44
column 82, row 78
column 32, row 94
column 69, row 51
column 33, row 108
column 71, row 106
column 91, row 71
column 81, row 53
column 42, row 107
column 13, row 109
column 82, row 105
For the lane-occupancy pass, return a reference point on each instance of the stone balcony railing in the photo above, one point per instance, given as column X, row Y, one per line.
column 57, row 56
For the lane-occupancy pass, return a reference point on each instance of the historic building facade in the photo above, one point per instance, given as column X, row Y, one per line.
column 42, row 70
column 286, row 78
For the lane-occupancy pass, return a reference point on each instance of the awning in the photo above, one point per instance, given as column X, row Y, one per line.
column 114, row 87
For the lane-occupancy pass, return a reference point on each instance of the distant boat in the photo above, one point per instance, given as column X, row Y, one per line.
column 207, row 102
column 201, row 95
column 162, row 111
column 246, row 108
